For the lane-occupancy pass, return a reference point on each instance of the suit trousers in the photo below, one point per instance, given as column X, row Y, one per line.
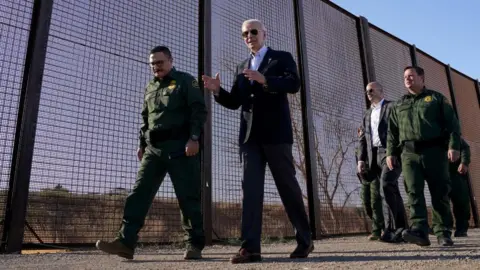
column 394, row 215
column 279, row 158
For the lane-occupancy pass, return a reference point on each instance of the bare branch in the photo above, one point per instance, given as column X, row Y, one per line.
column 348, row 197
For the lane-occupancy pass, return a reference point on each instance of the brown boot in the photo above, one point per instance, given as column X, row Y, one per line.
column 373, row 237
column 115, row 247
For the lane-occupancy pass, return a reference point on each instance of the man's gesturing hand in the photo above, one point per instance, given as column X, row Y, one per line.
column 254, row 75
column 212, row 84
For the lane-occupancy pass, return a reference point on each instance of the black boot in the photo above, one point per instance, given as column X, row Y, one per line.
column 460, row 233
column 445, row 241
column 417, row 237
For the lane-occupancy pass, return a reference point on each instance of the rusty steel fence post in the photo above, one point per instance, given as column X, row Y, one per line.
column 368, row 67
column 451, row 88
column 413, row 55
column 477, row 87
column 205, row 67
column 366, row 53
column 307, row 122
column 16, row 207
column 473, row 201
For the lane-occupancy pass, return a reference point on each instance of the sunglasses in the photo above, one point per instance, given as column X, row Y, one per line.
column 159, row 62
column 253, row 32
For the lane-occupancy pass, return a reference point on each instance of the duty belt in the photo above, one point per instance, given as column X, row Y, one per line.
column 161, row 135
column 417, row 146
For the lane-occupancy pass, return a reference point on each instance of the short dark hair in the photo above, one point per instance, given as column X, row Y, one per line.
column 418, row 70
column 163, row 49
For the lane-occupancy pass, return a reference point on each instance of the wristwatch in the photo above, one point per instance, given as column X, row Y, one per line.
column 194, row 138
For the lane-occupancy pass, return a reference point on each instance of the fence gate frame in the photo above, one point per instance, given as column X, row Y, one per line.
column 19, row 182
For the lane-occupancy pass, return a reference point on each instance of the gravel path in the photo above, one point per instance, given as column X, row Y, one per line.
column 334, row 253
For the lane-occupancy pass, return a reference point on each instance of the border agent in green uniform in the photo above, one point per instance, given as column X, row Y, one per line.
column 423, row 126
column 459, row 193
column 371, row 197
column 173, row 115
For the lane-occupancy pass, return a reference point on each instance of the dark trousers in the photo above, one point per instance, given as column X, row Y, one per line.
column 429, row 165
column 394, row 215
column 186, row 179
column 280, row 161
column 460, row 199
column 372, row 203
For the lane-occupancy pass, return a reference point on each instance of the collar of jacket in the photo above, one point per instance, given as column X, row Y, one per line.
column 170, row 75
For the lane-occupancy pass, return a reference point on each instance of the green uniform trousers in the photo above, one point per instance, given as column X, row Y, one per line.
column 185, row 175
column 460, row 199
column 372, row 203
column 430, row 165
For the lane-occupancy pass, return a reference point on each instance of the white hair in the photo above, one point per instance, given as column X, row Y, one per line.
column 255, row 21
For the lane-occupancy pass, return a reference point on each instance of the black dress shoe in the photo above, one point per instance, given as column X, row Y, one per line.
column 391, row 237
column 244, row 256
column 302, row 251
column 445, row 241
column 460, row 234
column 416, row 237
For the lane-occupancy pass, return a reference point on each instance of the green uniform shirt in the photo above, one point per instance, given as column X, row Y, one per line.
column 174, row 102
column 422, row 117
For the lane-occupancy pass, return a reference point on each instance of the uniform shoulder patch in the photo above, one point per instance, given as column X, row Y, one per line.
column 428, row 98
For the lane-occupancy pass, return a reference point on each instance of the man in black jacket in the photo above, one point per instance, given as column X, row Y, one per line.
column 372, row 152
column 262, row 83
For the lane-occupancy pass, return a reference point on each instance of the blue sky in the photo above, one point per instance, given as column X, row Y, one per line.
column 447, row 30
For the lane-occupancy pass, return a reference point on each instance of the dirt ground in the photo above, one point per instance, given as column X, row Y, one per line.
column 334, row 253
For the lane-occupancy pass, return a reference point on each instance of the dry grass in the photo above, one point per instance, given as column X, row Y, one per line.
column 61, row 217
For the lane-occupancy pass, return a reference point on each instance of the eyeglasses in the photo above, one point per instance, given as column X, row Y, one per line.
column 158, row 62
column 253, row 32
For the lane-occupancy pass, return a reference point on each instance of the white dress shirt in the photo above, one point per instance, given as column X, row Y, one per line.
column 374, row 121
column 257, row 58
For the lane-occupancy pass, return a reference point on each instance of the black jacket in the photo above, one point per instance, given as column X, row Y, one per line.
column 365, row 140
column 265, row 113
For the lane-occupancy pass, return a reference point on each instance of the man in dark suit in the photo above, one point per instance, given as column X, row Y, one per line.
column 261, row 85
column 372, row 156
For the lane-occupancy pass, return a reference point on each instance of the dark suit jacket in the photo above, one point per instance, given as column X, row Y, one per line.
column 365, row 140
column 265, row 113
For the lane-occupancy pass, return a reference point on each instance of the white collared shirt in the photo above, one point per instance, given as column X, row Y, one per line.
column 374, row 122
column 257, row 58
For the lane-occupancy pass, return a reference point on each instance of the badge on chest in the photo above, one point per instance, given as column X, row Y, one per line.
column 172, row 85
